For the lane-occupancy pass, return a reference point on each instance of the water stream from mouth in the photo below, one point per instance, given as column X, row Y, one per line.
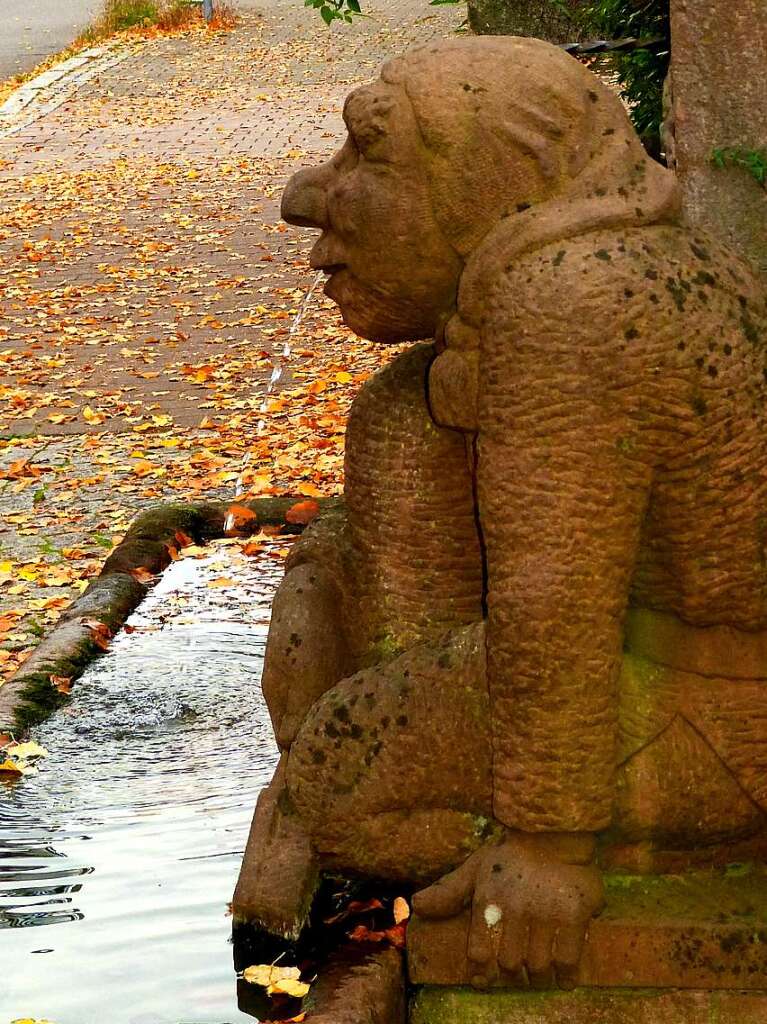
column 275, row 377
column 118, row 858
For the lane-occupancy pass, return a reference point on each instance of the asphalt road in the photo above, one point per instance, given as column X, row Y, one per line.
column 30, row 30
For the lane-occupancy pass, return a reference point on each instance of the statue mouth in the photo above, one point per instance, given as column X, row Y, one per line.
column 333, row 272
column 331, row 268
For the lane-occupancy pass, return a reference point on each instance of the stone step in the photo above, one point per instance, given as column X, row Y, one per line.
column 587, row 1006
column 695, row 931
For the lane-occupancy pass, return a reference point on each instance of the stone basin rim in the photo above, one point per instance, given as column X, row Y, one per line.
column 28, row 697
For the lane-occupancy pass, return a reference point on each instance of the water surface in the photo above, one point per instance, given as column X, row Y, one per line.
column 118, row 859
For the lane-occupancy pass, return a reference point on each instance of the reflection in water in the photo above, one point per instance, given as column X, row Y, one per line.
column 129, row 837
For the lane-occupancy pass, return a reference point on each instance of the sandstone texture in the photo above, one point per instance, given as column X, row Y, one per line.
column 529, row 646
column 717, row 69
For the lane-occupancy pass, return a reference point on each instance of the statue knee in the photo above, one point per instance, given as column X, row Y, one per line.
column 306, row 649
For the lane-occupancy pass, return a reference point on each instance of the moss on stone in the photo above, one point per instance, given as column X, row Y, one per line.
column 433, row 1005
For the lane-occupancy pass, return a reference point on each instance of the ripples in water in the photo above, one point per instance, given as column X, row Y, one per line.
column 129, row 838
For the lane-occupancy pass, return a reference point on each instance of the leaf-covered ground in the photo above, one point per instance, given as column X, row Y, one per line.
column 147, row 288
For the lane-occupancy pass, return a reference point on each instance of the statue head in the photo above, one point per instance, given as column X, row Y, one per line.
column 455, row 142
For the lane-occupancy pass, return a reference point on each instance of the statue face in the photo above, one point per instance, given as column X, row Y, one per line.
column 390, row 268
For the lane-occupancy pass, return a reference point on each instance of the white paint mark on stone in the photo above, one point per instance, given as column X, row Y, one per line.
column 493, row 914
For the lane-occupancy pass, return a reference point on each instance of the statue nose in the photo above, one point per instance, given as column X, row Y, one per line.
column 304, row 201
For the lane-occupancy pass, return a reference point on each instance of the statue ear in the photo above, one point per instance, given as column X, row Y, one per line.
column 452, row 389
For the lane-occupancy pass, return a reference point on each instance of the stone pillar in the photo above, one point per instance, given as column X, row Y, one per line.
column 719, row 57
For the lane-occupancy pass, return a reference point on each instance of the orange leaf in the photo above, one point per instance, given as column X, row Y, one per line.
column 363, row 934
column 101, row 634
column 62, row 683
column 184, row 540
column 237, row 516
column 397, row 935
column 252, row 548
column 222, row 581
column 302, row 512
column 141, row 574
column 355, row 907
column 401, row 910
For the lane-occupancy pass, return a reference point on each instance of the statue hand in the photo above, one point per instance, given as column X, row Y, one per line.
column 532, row 897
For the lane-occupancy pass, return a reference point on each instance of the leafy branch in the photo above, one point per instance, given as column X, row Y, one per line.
column 752, row 160
column 335, row 10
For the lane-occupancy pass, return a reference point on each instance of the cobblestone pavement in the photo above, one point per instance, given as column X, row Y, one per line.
column 147, row 290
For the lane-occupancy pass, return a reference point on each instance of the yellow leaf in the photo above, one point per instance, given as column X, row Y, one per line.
column 91, row 416
column 194, row 551
column 18, row 768
column 289, row 987
column 269, row 974
column 401, row 910
column 26, row 750
column 222, row 581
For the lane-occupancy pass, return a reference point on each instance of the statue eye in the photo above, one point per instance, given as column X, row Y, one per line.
column 367, row 135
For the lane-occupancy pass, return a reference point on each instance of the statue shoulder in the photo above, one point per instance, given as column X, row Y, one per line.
column 593, row 274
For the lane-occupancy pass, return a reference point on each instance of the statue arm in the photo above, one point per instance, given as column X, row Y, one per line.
column 561, row 496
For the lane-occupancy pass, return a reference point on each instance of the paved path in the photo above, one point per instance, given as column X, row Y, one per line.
column 30, row 30
column 147, row 289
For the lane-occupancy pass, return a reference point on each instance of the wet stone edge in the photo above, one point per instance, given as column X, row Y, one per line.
column 29, row 696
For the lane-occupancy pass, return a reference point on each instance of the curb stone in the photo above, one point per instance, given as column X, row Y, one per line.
column 48, row 90
column 29, row 695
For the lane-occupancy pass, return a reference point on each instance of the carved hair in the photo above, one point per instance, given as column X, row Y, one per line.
column 512, row 125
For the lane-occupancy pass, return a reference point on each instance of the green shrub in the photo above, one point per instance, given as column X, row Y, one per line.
column 122, row 14
column 641, row 72
column 119, row 15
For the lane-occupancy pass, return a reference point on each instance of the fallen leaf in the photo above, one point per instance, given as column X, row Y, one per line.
column 237, row 516
column 142, row 575
column 195, row 551
column 101, row 634
column 302, row 512
column 269, row 974
column 289, row 987
column 401, row 910
column 31, row 1020
column 62, row 683
column 395, row 935
column 26, row 750
column 222, row 581
column 91, row 416
column 354, row 908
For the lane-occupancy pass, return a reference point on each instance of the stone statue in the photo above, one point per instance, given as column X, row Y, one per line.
column 531, row 642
